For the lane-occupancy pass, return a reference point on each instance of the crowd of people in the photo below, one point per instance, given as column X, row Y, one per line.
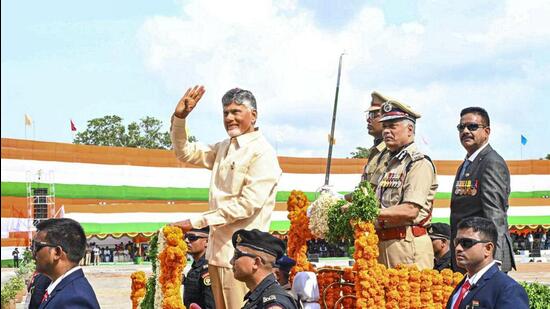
column 538, row 240
column 121, row 252
column 243, row 266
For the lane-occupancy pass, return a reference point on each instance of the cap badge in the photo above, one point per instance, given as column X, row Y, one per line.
column 239, row 239
column 387, row 107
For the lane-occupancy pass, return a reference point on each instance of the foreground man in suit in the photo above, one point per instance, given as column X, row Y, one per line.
column 58, row 247
column 484, row 285
column 482, row 184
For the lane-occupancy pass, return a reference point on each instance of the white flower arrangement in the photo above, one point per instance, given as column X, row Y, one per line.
column 158, row 289
column 318, row 211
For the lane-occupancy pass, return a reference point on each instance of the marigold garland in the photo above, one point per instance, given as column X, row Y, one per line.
column 349, row 278
column 299, row 233
column 374, row 286
column 327, row 277
column 172, row 262
column 139, row 280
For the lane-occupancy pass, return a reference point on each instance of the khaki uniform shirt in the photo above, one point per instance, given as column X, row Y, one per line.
column 243, row 186
column 417, row 185
column 375, row 166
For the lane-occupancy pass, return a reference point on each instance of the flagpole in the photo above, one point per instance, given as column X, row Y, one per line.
column 521, row 152
column 331, row 138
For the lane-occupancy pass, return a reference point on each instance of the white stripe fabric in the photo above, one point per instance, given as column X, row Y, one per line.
column 16, row 225
column 276, row 215
column 138, row 217
column 167, row 177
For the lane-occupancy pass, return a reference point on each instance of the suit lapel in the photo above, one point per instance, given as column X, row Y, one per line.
column 70, row 278
column 479, row 285
column 473, row 166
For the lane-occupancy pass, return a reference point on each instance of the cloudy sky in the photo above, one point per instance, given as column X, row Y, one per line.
column 65, row 60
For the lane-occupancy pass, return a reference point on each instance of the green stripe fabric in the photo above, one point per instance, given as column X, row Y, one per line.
column 145, row 227
column 188, row 194
column 515, row 220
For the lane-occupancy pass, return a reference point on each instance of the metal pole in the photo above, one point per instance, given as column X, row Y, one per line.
column 331, row 137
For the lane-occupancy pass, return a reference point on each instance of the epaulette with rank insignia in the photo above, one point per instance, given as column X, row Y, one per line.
column 415, row 156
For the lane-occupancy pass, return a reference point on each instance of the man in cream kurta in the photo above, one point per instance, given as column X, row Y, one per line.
column 245, row 172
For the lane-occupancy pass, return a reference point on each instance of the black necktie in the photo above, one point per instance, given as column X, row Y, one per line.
column 464, row 167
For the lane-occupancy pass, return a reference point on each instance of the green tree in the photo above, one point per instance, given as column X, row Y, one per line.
column 548, row 157
column 361, row 153
column 109, row 131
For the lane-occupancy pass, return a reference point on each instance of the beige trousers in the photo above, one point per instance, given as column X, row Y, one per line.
column 228, row 292
column 411, row 250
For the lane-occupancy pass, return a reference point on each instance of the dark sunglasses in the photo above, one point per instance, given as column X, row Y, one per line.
column 373, row 114
column 470, row 126
column 38, row 245
column 192, row 237
column 238, row 254
column 467, row 243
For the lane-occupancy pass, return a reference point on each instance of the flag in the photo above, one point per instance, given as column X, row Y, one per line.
column 73, row 127
column 28, row 120
column 523, row 140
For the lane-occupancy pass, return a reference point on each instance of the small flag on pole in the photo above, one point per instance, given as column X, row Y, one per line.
column 28, row 120
column 73, row 127
column 523, row 140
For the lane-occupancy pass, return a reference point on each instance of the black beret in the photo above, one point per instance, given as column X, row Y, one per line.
column 205, row 230
column 285, row 263
column 261, row 241
column 440, row 230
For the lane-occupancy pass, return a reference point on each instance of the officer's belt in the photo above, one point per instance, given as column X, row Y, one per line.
column 400, row 232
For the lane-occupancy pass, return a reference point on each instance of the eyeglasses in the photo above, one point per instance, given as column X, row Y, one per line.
column 38, row 245
column 467, row 243
column 193, row 237
column 238, row 254
column 470, row 126
column 373, row 115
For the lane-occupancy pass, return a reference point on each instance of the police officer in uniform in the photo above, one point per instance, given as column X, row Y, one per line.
column 253, row 259
column 378, row 153
column 406, row 192
column 196, row 285
column 440, row 234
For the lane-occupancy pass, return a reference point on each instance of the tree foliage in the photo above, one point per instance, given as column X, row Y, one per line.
column 361, row 153
column 110, row 131
column 548, row 157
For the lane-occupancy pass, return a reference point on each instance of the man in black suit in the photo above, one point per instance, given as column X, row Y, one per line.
column 484, row 285
column 482, row 184
column 58, row 247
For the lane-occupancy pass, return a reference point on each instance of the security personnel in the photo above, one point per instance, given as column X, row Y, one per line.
column 406, row 192
column 440, row 234
column 196, row 285
column 378, row 153
column 253, row 259
column 281, row 270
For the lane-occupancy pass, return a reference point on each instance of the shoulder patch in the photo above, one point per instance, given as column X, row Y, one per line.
column 269, row 298
column 206, row 280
